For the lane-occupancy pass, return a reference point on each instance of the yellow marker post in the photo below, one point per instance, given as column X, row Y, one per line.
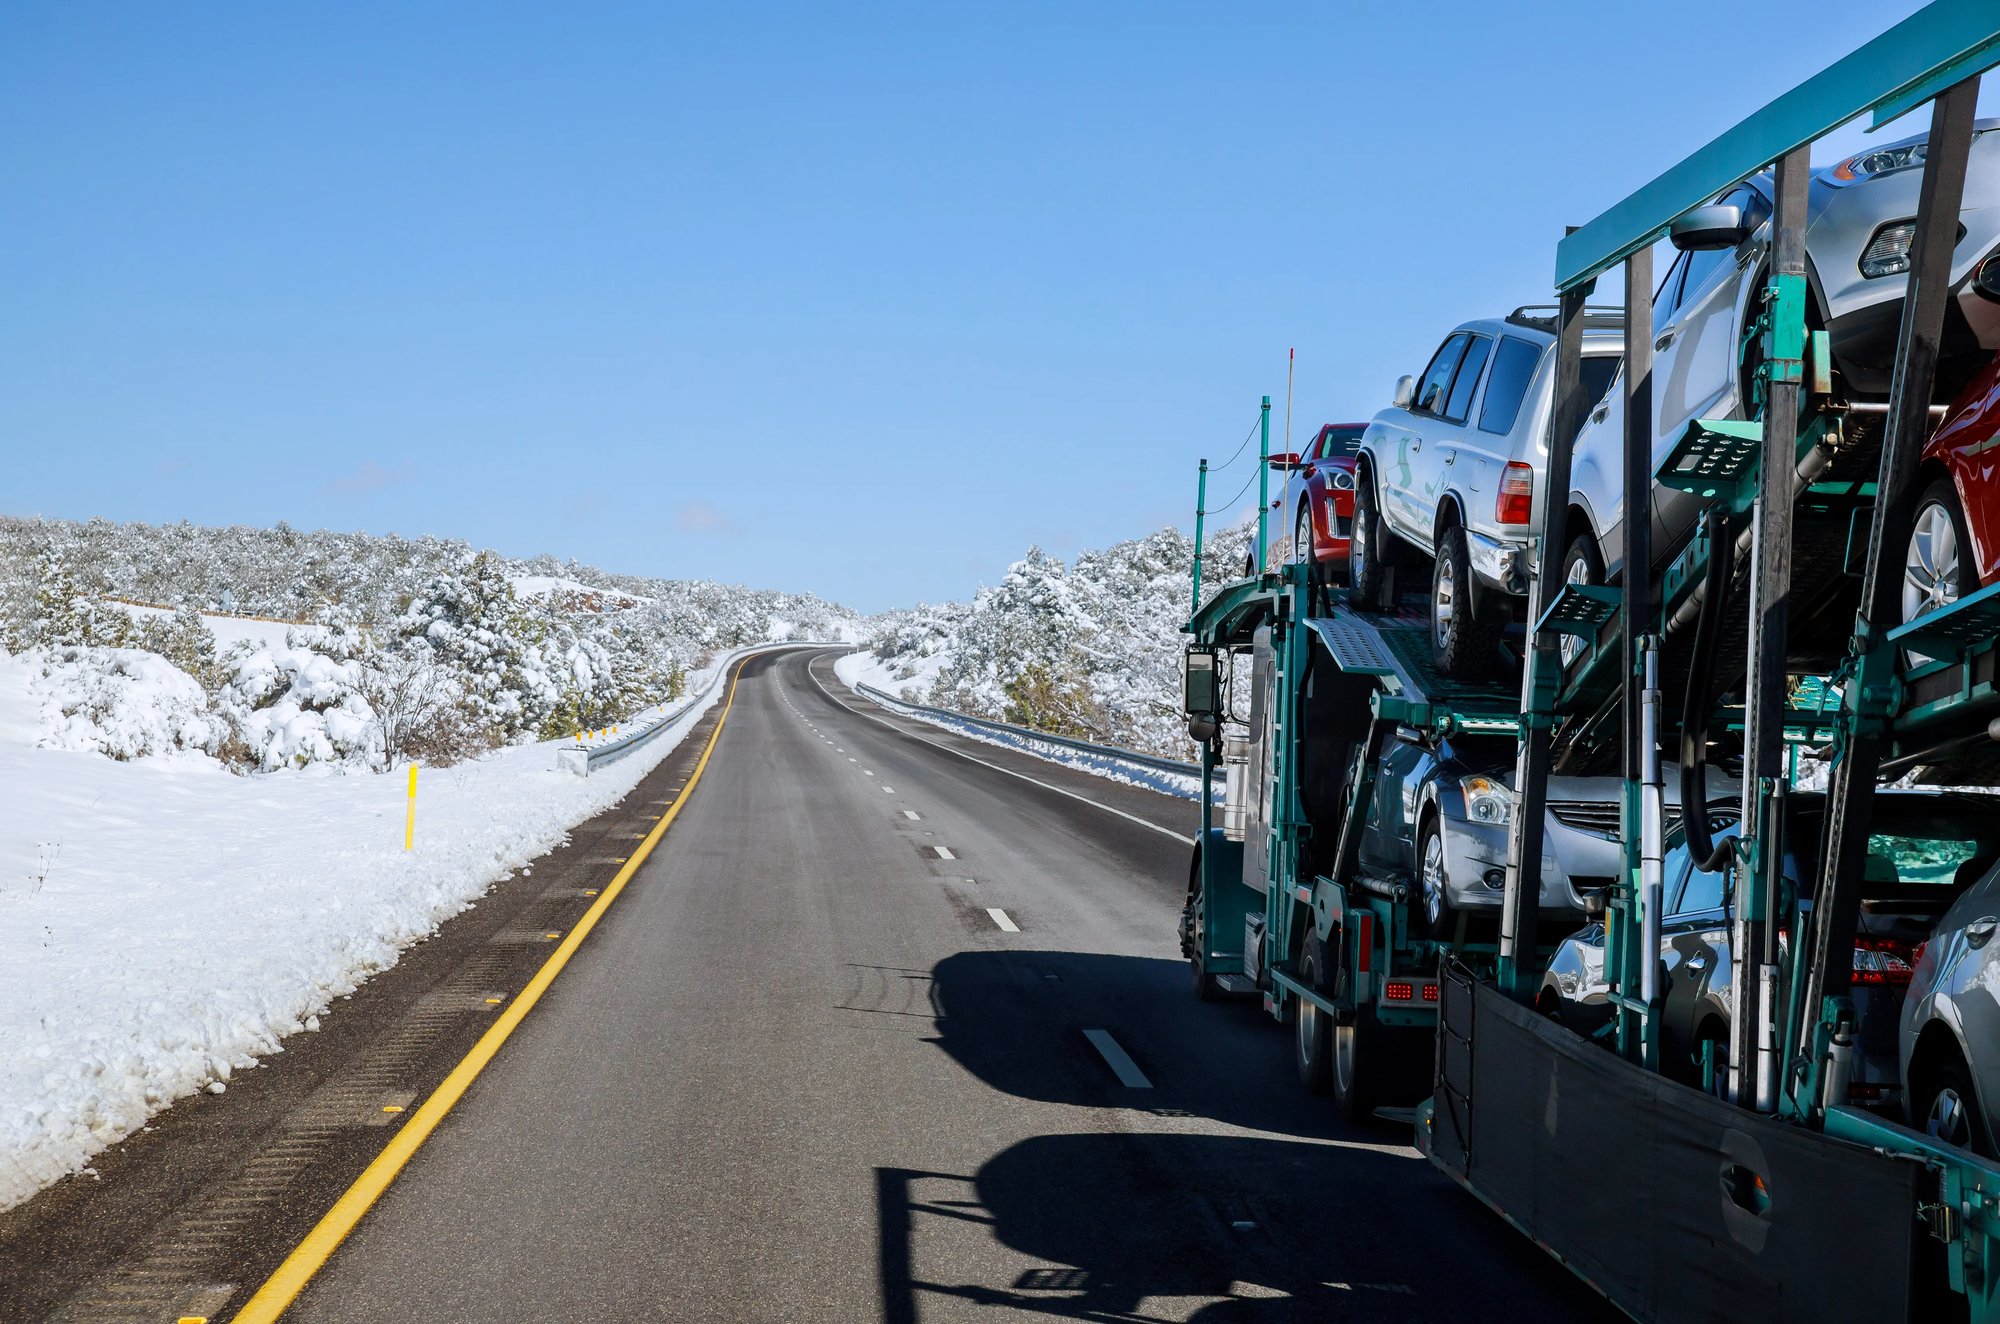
column 410, row 817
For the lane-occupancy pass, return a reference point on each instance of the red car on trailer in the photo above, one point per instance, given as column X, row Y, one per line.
column 1954, row 540
column 1318, row 499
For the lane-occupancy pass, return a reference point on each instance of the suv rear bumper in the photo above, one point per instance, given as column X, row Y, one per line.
column 1500, row 564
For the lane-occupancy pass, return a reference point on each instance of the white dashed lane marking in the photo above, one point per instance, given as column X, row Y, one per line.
column 944, row 852
column 913, row 816
column 1120, row 1062
column 1000, row 917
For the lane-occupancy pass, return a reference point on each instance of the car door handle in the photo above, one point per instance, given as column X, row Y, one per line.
column 1417, row 445
column 1599, row 414
column 1981, row 929
column 1666, row 338
column 1451, row 457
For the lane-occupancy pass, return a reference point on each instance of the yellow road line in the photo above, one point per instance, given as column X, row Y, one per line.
column 311, row 1254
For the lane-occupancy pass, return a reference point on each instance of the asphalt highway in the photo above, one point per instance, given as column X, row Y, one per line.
column 880, row 1031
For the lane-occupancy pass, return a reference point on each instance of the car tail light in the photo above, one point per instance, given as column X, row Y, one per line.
column 1430, row 992
column 1399, row 990
column 1882, row 961
column 1517, row 494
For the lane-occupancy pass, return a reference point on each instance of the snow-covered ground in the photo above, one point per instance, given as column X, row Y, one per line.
column 857, row 669
column 163, row 923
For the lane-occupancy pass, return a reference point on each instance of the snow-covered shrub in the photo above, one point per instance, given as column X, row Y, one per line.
column 305, row 702
column 184, row 640
column 422, row 710
column 123, row 703
column 470, row 622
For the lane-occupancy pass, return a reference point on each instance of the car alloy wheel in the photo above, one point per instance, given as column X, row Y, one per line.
column 1930, row 565
column 1357, row 545
column 1935, row 560
column 1575, row 571
column 1431, row 881
column 1444, row 602
column 1949, row 1119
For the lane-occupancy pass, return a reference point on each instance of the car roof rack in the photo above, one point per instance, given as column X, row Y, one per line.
column 1543, row 317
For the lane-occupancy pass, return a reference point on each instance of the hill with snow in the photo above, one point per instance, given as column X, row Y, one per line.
column 1090, row 649
column 272, row 649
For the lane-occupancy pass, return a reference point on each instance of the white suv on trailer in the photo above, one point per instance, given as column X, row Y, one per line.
column 1451, row 475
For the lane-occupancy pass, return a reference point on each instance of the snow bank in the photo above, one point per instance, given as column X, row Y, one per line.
column 164, row 923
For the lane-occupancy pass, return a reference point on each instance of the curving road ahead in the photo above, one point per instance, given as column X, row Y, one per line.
column 884, row 1032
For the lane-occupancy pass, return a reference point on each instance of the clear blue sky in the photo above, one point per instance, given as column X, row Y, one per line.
column 856, row 299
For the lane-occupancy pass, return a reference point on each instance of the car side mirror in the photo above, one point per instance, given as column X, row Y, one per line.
column 1285, row 460
column 1718, row 226
column 1406, row 391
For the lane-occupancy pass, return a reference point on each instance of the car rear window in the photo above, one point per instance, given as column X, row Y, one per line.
column 1513, row 365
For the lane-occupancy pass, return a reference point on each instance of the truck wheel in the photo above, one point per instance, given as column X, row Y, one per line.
column 1313, row 1028
column 1357, row 1066
column 1196, row 928
column 1462, row 640
column 1367, row 549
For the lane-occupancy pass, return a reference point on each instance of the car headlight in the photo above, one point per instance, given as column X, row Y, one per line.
column 1487, row 801
column 1880, row 161
column 1888, row 253
column 1343, row 480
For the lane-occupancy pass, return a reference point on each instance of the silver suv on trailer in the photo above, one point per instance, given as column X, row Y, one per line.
column 1451, row 475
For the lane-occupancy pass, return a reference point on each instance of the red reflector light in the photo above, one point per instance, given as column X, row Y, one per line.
column 1517, row 494
column 1430, row 992
column 1399, row 990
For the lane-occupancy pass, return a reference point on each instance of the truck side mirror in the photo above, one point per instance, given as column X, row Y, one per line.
column 1406, row 391
column 1201, row 691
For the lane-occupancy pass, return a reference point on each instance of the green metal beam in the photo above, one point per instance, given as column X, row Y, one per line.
column 1939, row 45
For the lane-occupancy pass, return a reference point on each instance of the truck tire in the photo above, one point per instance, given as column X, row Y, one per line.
column 1463, row 640
column 1195, row 929
column 1368, row 550
column 1357, row 1064
column 1312, row 1036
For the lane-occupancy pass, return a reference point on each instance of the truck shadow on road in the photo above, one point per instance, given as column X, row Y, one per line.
column 1016, row 1020
column 1156, row 1226
column 1172, row 1212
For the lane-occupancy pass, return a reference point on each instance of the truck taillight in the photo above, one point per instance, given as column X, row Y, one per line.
column 1517, row 494
column 1430, row 992
column 1399, row 990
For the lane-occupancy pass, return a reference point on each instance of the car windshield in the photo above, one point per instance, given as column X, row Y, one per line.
column 1917, row 841
column 1921, row 840
column 1341, row 441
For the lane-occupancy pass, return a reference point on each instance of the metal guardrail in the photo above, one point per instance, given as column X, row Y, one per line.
column 586, row 759
column 1028, row 733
